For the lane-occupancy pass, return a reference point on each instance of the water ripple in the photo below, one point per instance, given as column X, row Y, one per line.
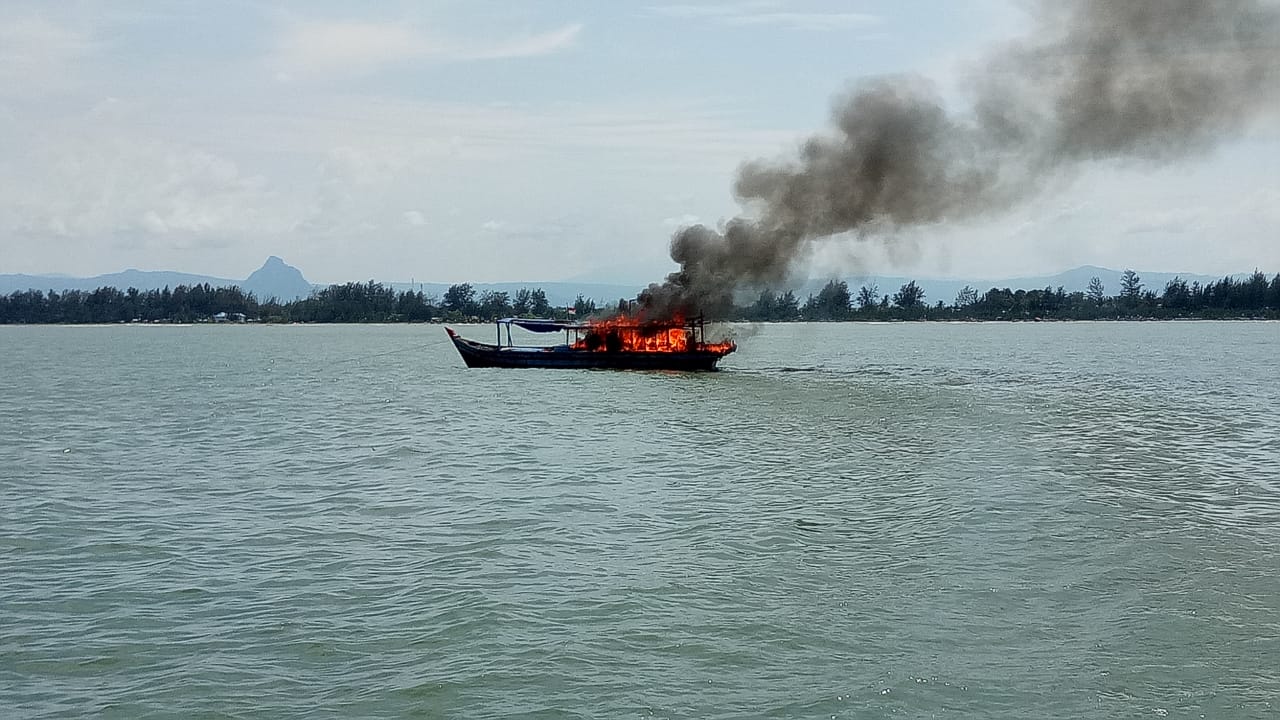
column 976, row 520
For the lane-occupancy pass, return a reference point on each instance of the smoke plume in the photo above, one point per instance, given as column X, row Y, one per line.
column 1145, row 79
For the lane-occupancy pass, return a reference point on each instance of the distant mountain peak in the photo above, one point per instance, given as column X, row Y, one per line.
column 277, row 279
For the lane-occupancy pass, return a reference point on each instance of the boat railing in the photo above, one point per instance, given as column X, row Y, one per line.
column 573, row 329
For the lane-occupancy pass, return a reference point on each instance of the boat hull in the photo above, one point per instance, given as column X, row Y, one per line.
column 477, row 355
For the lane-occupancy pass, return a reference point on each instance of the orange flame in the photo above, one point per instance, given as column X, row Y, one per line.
column 627, row 334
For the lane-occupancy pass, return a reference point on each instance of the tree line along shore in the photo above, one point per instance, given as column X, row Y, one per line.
column 1254, row 297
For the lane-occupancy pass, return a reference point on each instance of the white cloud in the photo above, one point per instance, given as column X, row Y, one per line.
column 94, row 189
column 347, row 47
column 309, row 176
column 714, row 11
column 351, row 191
column 37, row 55
column 1164, row 221
column 680, row 221
column 768, row 14
column 807, row 21
column 391, row 176
column 521, row 46
column 667, row 136
column 318, row 47
column 359, row 167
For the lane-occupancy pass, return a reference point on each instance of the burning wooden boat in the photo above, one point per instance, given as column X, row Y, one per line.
column 620, row 343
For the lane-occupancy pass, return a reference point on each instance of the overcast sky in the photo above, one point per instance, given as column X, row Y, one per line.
column 491, row 141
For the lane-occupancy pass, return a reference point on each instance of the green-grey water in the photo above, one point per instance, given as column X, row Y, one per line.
column 907, row 520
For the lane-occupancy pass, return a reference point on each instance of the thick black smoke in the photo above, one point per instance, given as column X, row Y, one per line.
column 1146, row 79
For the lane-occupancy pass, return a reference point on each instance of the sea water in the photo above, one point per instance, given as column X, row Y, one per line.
column 850, row 520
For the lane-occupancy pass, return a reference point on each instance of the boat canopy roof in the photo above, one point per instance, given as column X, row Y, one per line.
column 541, row 325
